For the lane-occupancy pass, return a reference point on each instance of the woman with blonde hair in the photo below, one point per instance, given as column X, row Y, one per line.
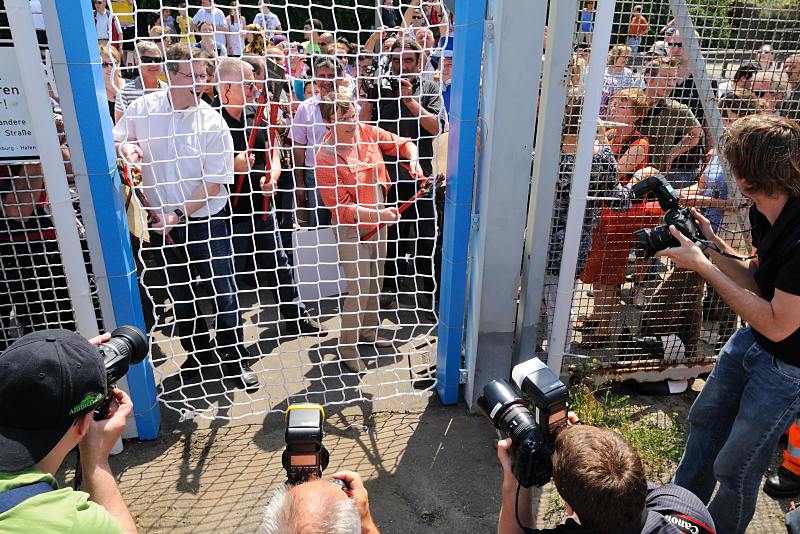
column 354, row 184
column 111, row 75
column 618, row 76
column 255, row 44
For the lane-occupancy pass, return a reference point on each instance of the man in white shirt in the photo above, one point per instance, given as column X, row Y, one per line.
column 307, row 133
column 268, row 20
column 185, row 152
column 214, row 15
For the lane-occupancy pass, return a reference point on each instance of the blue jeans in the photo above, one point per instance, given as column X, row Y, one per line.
column 257, row 239
column 202, row 247
column 634, row 43
column 318, row 214
column 748, row 402
column 683, row 178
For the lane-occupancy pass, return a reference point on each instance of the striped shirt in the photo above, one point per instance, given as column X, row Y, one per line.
column 131, row 91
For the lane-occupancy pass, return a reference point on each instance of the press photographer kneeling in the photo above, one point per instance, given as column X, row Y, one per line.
column 597, row 473
column 753, row 393
column 56, row 393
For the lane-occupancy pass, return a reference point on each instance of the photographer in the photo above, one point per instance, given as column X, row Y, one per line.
column 320, row 505
column 51, row 383
column 601, row 479
column 753, row 393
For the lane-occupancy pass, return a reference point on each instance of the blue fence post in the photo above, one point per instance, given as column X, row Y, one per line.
column 87, row 90
column 467, row 54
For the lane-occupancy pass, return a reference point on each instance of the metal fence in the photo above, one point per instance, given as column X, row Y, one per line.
column 666, row 96
column 40, row 286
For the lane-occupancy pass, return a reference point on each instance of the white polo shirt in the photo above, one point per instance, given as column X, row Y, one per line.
column 182, row 150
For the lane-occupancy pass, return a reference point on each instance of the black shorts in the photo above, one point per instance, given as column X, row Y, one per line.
column 129, row 36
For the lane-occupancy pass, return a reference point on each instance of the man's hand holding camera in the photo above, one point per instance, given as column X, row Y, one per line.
column 689, row 255
column 359, row 494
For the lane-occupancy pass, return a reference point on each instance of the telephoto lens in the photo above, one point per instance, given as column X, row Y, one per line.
column 530, row 453
column 505, row 408
column 127, row 346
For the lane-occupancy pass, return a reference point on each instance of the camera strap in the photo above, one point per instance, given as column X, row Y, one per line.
column 713, row 246
column 11, row 498
column 687, row 524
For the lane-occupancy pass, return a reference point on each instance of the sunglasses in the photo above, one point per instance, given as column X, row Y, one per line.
column 107, row 64
column 676, row 45
column 151, row 59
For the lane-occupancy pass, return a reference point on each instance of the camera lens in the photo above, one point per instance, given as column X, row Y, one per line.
column 130, row 341
column 505, row 408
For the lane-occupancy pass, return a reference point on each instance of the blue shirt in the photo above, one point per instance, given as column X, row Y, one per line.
column 586, row 20
column 715, row 187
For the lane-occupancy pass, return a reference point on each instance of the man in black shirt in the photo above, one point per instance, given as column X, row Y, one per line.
column 601, row 479
column 406, row 105
column 753, row 393
column 255, row 235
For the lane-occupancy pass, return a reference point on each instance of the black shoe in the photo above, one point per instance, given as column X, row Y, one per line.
column 243, row 372
column 782, row 484
column 388, row 301
column 301, row 325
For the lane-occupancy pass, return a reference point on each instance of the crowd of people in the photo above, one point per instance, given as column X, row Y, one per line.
column 654, row 123
column 235, row 136
column 231, row 136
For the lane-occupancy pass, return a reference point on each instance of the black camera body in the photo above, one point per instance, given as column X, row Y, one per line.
column 127, row 346
column 532, row 437
column 653, row 240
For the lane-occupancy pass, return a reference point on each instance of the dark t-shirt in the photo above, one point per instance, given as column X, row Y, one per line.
column 668, row 498
column 778, row 249
column 393, row 116
column 242, row 202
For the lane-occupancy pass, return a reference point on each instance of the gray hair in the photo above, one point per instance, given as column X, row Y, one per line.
column 228, row 66
column 147, row 46
column 333, row 516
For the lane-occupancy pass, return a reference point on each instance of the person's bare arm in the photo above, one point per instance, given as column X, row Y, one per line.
column 374, row 39
column 201, row 195
column 427, row 120
column 95, row 448
column 631, row 160
column 361, row 498
column 687, row 141
column 512, row 504
column 776, row 319
column 409, row 12
column 299, row 152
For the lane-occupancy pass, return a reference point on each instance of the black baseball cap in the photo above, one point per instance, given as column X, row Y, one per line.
column 47, row 380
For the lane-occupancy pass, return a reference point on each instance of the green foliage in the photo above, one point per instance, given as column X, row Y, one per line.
column 659, row 443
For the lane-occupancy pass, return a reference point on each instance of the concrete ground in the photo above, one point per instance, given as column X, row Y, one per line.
column 428, row 468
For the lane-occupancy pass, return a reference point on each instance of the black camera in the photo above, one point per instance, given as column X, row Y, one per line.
column 653, row 240
column 532, row 436
column 127, row 346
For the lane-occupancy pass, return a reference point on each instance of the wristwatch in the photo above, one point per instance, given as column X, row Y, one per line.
column 181, row 216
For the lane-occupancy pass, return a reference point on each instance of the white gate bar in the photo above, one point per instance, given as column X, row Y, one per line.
column 702, row 80
column 561, row 29
column 512, row 51
column 26, row 48
column 580, row 183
